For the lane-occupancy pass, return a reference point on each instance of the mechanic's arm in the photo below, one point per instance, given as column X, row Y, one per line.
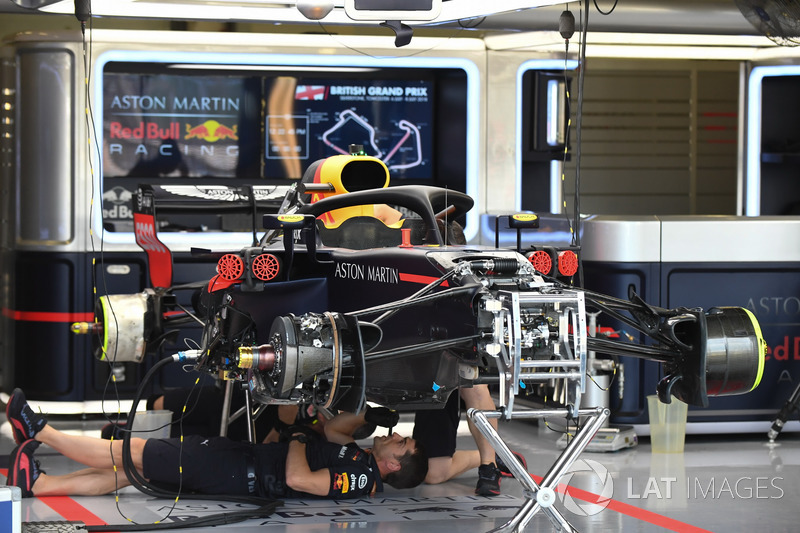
column 341, row 427
column 287, row 414
column 299, row 475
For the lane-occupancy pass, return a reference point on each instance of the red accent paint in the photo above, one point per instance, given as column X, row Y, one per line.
column 630, row 510
column 71, row 510
column 541, row 261
column 605, row 331
column 159, row 256
column 217, row 283
column 68, row 508
column 719, row 114
column 47, row 316
column 567, row 263
column 16, row 423
column 416, row 278
column 23, row 463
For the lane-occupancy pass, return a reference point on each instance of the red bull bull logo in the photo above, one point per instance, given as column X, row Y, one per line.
column 341, row 482
column 211, row 131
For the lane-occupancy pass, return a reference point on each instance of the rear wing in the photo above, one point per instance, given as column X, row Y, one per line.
column 215, row 200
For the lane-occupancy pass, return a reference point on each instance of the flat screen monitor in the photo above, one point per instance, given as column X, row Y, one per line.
column 159, row 125
column 308, row 119
column 200, row 127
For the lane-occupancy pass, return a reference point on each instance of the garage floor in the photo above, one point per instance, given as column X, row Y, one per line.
column 721, row 483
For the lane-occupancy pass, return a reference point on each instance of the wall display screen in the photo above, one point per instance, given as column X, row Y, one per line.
column 202, row 131
column 307, row 119
column 170, row 125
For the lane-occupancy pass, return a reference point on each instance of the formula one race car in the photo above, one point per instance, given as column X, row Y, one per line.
column 339, row 304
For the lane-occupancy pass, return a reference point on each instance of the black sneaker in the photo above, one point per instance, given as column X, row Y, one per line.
column 25, row 423
column 488, row 481
column 23, row 469
column 504, row 470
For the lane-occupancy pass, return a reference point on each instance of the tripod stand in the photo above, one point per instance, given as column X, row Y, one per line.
column 786, row 411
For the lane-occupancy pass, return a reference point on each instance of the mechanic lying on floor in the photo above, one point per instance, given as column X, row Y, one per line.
column 302, row 467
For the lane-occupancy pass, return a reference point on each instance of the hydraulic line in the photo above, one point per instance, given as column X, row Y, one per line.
column 410, row 303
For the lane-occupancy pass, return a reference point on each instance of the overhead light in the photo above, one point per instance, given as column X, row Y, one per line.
column 291, row 68
column 383, row 10
column 315, row 9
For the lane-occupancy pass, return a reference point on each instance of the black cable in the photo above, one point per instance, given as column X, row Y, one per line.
column 566, row 27
column 611, row 347
column 127, row 461
column 200, row 521
column 605, row 12
column 143, row 485
column 632, row 322
column 480, row 20
column 425, row 290
column 434, row 346
column 423, row 299
column 579, row 120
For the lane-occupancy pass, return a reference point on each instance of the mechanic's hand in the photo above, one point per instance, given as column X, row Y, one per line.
column 382, row 416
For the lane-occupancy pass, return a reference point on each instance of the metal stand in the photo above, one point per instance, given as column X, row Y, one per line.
column 246, row 410
column 539, row 497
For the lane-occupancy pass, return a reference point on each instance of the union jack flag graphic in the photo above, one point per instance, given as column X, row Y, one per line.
column 310, row 92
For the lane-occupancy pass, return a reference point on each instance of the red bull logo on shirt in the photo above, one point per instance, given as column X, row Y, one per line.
column 341, row 482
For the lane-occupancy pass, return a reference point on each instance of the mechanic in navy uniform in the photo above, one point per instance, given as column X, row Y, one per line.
column 301, row 467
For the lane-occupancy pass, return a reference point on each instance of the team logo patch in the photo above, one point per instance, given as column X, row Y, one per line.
column 341, row 482
column 290, row 218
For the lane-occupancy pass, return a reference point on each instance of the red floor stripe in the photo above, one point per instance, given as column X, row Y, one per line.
column 69, row 509
column 630, row 510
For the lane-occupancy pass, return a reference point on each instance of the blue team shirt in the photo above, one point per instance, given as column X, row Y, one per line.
column 353, row 472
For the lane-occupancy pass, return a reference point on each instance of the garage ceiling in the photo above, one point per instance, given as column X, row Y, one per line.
column 639, row 16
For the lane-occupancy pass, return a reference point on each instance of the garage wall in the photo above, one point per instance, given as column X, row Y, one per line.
column 659, row 138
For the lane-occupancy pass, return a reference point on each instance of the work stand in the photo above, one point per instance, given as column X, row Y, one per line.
column 247, row 410
column 539, row 497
